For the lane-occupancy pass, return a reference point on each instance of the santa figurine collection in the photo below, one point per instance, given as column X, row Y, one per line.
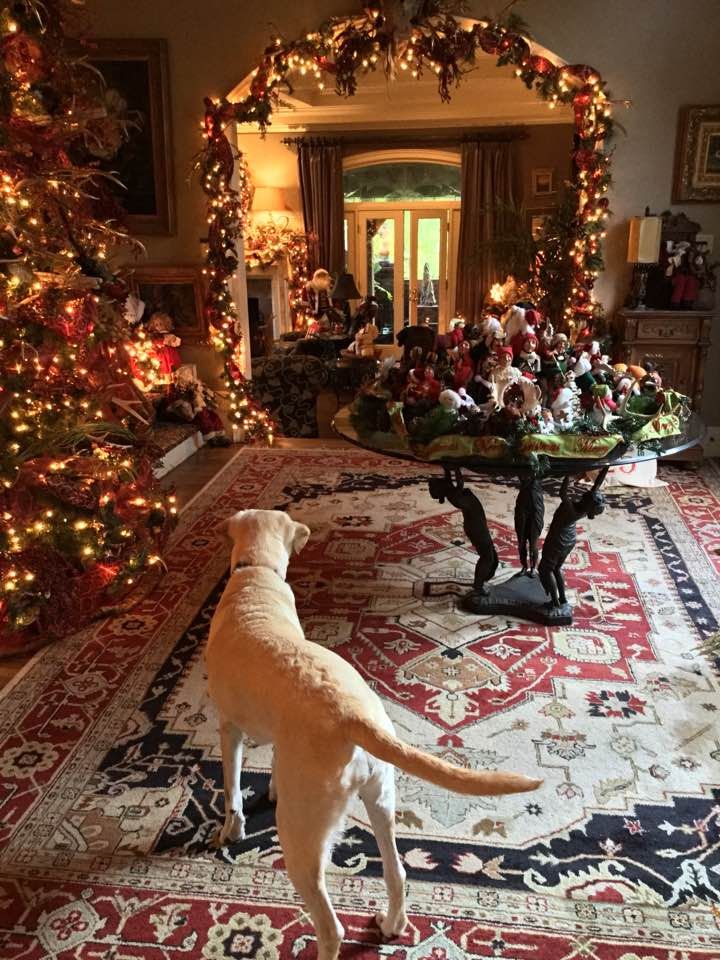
column 515, row 376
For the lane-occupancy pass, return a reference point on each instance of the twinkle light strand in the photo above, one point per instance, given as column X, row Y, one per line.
column 345, row 48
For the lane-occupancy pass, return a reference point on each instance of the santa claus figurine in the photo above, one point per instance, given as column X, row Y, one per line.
column 422, row 388
column 464, row 366
column 165, row 344
column 457, row 332
column 317, row 305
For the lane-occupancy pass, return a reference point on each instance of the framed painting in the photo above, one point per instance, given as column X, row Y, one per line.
column 697, row 156
column 136, row 76
column 177, row 291
column 543, row 182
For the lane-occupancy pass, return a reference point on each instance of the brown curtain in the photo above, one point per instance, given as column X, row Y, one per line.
column 320, row 169
column 487, row 180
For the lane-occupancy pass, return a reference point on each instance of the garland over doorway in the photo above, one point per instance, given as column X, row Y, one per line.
column 438, row 41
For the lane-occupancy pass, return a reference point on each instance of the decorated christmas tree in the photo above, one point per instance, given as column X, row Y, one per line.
column 80, row 519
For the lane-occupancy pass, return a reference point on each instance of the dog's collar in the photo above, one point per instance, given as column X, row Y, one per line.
column 242, row 564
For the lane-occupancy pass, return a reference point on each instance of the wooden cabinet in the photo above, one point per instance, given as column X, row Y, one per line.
column 677, row 341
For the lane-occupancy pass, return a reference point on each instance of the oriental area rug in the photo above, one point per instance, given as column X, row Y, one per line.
column 111, row 774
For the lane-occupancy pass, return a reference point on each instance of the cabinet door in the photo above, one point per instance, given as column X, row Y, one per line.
column 675, row 363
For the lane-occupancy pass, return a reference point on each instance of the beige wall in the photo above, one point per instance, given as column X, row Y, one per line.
column 659, row 53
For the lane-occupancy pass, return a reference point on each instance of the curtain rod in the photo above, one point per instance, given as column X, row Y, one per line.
column 500, row 135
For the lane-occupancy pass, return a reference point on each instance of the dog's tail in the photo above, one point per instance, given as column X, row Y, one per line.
column 366, row 734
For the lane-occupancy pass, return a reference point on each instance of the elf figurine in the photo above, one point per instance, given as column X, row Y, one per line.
column 504, row 373
column 528, row 360
column 604, row 407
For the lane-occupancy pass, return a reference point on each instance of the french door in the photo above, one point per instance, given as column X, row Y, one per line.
column 403, row 258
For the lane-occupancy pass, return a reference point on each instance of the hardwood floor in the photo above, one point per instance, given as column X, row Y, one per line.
column 188, row 479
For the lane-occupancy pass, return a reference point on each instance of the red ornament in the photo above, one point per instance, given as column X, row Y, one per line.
column 542, row 66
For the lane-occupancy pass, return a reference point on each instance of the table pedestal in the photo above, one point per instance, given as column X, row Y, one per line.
column 522, row 597
column 537, row 592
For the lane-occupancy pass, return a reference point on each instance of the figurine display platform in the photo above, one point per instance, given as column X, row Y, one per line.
column 537, row 591
column 516, row 399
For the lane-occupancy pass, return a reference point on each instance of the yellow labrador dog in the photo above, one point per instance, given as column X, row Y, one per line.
column 332, row 738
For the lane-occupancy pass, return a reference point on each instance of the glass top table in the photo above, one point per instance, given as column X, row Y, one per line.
column 622, row 455
column 537, row 591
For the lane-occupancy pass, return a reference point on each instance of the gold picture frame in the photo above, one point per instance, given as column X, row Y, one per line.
column 138, row 72
column 697, row 155
column 175, row 290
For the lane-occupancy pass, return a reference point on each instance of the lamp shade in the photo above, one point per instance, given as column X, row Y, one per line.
column 345, row 288
column 644, row 239
column 266, row 199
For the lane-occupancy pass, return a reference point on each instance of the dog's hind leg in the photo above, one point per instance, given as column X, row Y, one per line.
column 306, row 822
column 378, row 795
column 231, row 743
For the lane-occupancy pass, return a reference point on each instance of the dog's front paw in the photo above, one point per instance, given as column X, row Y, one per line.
column 231, row 831
column 391, row 927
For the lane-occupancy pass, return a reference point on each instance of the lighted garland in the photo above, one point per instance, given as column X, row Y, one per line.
column 80, row 518
column 268, row 243
column 227, row 210
column 437, row 42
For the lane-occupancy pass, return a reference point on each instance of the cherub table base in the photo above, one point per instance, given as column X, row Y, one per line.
column 537, row 591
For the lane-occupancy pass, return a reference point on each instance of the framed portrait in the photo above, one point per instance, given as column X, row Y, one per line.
column 177, row 291
column 543, row 181
column 136, row 76
column 697, row 156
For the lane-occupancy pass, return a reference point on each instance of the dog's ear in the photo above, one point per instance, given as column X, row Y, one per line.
column 301, row 535
column 225, row 527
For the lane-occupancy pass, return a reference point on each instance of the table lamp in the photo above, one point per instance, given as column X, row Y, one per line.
column 345, row 290
column 270, row 202
column 643, row 250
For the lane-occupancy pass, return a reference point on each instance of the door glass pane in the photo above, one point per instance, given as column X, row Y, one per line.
column 427, row 270
column 380, row 280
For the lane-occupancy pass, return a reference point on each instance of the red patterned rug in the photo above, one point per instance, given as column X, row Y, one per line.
column 110, row 771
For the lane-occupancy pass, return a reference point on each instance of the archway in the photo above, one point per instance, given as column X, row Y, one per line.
column 345, row 48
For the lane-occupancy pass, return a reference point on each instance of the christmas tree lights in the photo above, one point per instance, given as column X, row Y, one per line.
column 80, row 519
